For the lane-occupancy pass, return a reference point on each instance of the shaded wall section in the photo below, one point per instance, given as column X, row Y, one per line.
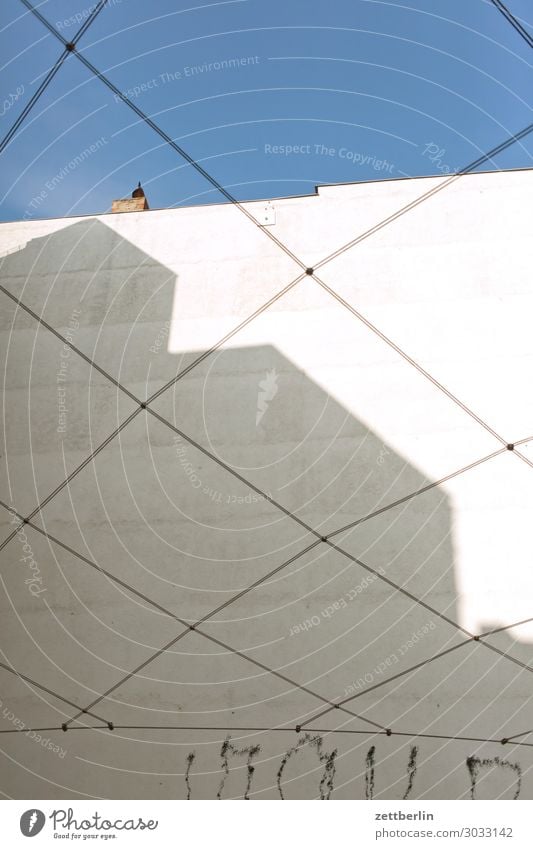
column 207, row 508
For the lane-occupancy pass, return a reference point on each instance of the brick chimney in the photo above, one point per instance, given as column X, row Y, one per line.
column 136, row 203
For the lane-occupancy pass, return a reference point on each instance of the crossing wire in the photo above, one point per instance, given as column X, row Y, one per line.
column 51, row 74
column 332, row 545
column 499, row 148
column 226, row 604
column 8, row 668
column 21, row 305
column 513, row 21
column 319, row 537
column 166, row 138
column 193, row 626
column 387, row 732
column 437, row 384
column 467, row 169
column 227, row 468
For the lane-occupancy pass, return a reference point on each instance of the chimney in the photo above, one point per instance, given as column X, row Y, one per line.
column 136, row 203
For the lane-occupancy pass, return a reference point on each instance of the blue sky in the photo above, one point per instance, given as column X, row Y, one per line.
column 316, row 93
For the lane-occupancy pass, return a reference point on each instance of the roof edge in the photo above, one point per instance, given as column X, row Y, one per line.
column 315, row 193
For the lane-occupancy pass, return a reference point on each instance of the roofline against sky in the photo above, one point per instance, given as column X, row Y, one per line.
column 316, row 193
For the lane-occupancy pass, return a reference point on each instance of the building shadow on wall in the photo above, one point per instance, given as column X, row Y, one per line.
column 260, row 415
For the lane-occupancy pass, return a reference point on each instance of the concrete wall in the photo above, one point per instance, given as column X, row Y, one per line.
column 310, row 405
